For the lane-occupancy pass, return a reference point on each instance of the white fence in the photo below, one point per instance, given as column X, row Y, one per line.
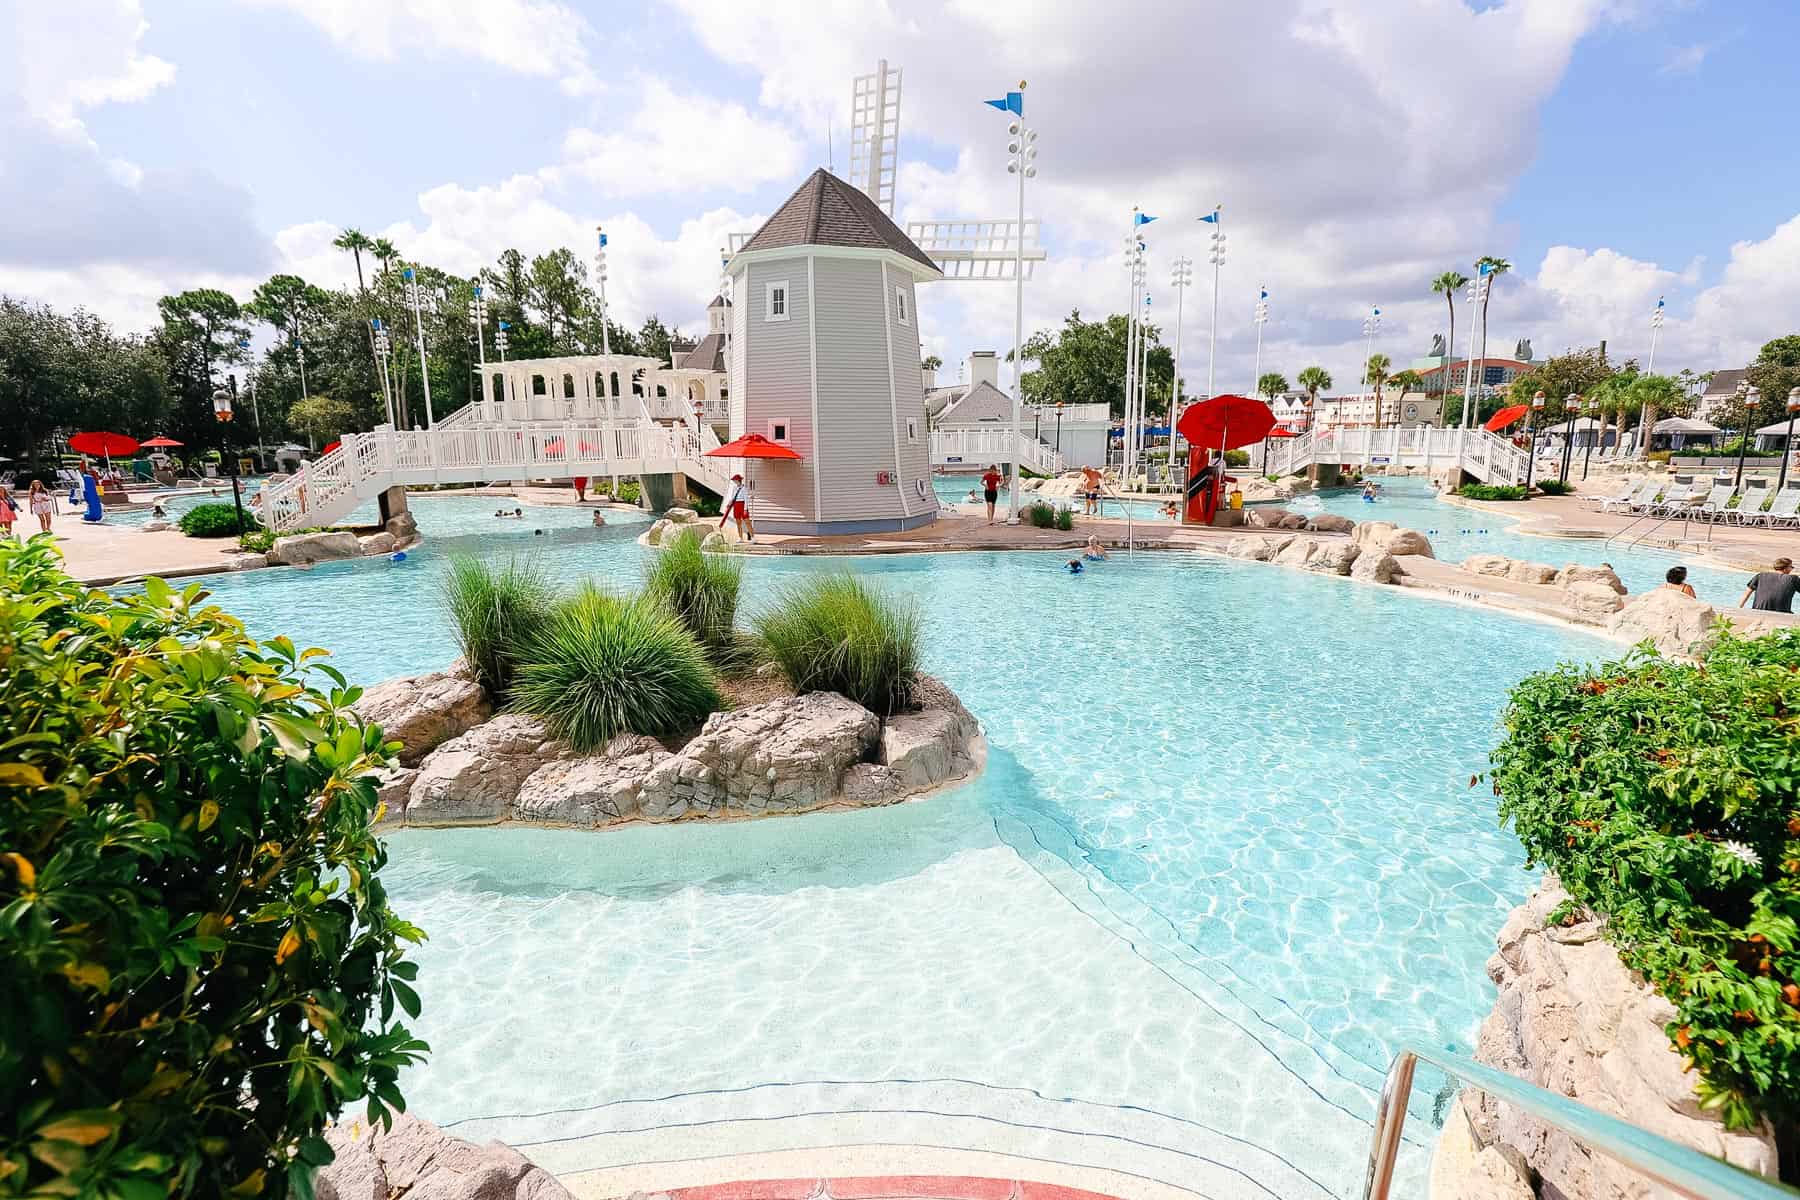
column 977, row 447
column 1489, row 458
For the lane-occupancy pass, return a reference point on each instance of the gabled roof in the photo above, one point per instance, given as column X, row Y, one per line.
column 718, row 301
column 707, row 355
column 826, row 211
column 1725, row 382
column 982, row 403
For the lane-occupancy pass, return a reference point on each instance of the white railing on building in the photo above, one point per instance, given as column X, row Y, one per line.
column 1482, row 454
column 977, row 447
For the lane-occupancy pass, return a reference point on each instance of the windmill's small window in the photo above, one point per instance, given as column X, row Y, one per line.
column 912, row 431
column 777, row 309
column 778, row 432
column 900, row 308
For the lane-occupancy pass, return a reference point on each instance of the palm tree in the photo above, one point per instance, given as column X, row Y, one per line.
column 384, row 250
column 1447, row 283
column 1406, row 381
column 1271, row 384
column 1314, row 380
column 356, row 241
column 1657, row 395
column 1496, row 267
column 1375, row 373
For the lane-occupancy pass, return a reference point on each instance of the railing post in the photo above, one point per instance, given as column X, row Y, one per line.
column 1390, row 1118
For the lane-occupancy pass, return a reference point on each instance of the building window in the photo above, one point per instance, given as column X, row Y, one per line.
column 912, row 430
column 778, row 432
column 777, row 309
column 900, row 306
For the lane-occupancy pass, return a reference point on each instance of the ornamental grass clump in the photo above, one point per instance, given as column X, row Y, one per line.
column 700, row 588
column 602, row 665
column 834, row 633
column 1666, row 796
column 496, row 611
column 198, row 964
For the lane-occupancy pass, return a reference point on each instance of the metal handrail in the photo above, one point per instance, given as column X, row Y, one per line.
column 1130, row 534
column 1684, row 1170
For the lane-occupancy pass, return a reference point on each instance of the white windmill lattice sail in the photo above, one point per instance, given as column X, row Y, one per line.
column 875, row 134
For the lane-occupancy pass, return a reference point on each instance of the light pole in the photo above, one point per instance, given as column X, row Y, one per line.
column 384, row 355
column 1261, row 318
column 1572, row 407
column 1371, row 326
column 300, row 350
column 1059, row 405
column 415, row 292
column 478, row 314
column 1216, row 219
column 221, row 398
column 600, row 280
column 1135, row 267
column 255, row 409
column 1181, row 277
column 1592, row 404
column 1787, row 450
column 500, row 340
column 1537, row 406
column 1656, row 324
column 1751, row 397
column 1022, row 150
column 1477, row 292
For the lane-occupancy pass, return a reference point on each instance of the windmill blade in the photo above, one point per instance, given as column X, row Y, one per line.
column 980, row 250
column 875, row 134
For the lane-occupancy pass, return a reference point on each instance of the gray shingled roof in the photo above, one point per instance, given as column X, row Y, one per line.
column 1723, row 383
column 707, row 355
column 984, row 402
column 826, row 211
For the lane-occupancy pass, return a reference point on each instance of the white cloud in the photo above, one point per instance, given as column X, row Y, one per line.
column 677, row 143
column 1686, row 60
column 532, row 37
column 54, row 75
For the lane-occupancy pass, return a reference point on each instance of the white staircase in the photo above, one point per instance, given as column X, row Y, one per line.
column 978, row 447
column 1489, row 458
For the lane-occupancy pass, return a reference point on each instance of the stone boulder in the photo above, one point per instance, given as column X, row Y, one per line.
column 473, row 779
column 927, row 748
column 418, row 1160
column 246, row 562
column 1408, row 541
column 1487, row 564
column 1296, row 483
column 1334, row 558
column 591, row 790
column 1266, row 517
column 1573, row 573
column 784, row 755
column 1373, row 533
column 155, row 525
column 378, row 543
column 1296, row 553
column 1330, row 523
column 871, row 785
column 1375, row 565
column 1592, row 599
column 1292, row 521
column 425, row 712
column 300, row 548
column 392, row 787
column 1676, row 624
column 1251, row 547
column 715, row 541
column 653, row 535
column 402, row 526
column 1521, row 571
column 681, row 516
column 1571, row 1018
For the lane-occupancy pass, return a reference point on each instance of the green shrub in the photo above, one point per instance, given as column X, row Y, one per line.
column 1065, row 519
column 216, row 520
column 701, row 590
column 602, row 665
column 1040, row 514
column 833, row 633
column 630, row 492
column 496, row 610
column 1237, row 458
column 703, row 502
column 1489, row 491
column 199, row 964
column 257, row 540
column 1661, row 456
column 1554, row 487
column 1666, row 796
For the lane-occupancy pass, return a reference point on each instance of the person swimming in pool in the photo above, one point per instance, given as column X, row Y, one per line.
column 1075, row 566
column 1094, row 551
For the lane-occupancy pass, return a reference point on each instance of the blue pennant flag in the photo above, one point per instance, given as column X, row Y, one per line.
column 504, row 326
column 1377, row 312
column 1659, row 302
column 1146, row 301
column 1484, row 268
column 1211, row 218
column 1144, row 218
column 1013, row 103
column 1265, row 294
column 603, row 241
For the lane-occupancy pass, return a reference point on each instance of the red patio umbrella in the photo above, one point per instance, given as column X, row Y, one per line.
column 159, row 443
column 752, row 446
column 104, row 444
column 329, row 449
column 1226, row 422
column 1281, row 431
column 1506, row 416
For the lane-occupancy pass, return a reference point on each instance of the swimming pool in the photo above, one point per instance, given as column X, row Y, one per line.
column 1224, row 858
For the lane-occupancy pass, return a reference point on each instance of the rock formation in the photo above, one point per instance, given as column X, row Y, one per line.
column 1678, row 625
column 418, row 1160
column 300, row 548
column 424, row 712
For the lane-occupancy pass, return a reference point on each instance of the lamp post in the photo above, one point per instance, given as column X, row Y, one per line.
column 255, row 409
column 1656, row 324
column 1181, row 277
column 1022, row 150
column 1592, row 404
column 478, row 314
column 1059, row 405
column 1571, row 406
column 500, row 340
column 416, row 294
column 1135, row 268
column 221, row 399
column 1787, row 449
column 1215, row 218
column 1260, row 319
column 384, row 355
column 600, row 281
column 1371, row 326
column 1751, row 397
column 1537, row 406
column 1477, row 292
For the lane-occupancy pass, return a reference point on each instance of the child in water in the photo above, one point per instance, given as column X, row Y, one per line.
column 1075, row 566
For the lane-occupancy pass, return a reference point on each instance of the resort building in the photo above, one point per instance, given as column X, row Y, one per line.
column 1722, row 386
column 1492, row 372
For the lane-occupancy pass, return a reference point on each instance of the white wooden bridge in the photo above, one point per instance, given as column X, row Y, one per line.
column 1487, row 457
column 979, row 447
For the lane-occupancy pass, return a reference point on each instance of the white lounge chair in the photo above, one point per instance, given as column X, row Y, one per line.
column 1784, row 510
column 1623, row 494
column 1679, row 497
column 1750, row 505
column 1713, row 507
column 1642, row 498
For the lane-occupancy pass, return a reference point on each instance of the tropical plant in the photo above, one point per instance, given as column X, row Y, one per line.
column 1065, row 519
column 1042, row 515
column 1666, row 797
column 216, row 520
column 1403, row 382
column 200, row 965
column 496, row 610
column 834, row 633
column 1271, row 384
column 1491, row 491
column 1496, row 267
column 1314, row 380
column 602, row 665
column 1237, row 458
column 1555, row 487
column 701, row 590
column 1446, row 283
column 1658, row 396
column 1375, row 373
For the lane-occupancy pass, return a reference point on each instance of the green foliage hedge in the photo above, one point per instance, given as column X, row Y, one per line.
column 1237, row 458
column 630, row 491
column 834, row 633
column 1040, row 514
column 198, row 965
column 495, row 610
column 1490, row 491
column 1666, row 796
column 701, row 590
column 216, row 520
column 1065, row 519
column 1554, row 487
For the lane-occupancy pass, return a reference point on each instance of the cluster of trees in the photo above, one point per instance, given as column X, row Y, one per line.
column 65, row 372
column 1084, row 363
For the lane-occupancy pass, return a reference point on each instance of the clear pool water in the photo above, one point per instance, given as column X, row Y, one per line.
column 1224, row 858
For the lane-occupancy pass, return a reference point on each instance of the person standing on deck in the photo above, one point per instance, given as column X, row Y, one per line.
column 737, row 507
column 990, row 488
column 1774, row 590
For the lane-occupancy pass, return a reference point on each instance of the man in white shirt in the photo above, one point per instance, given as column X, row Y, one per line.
column 737, row 507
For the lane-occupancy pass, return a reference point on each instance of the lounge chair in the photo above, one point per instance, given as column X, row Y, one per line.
column 1750, row 505
column 1679, row 498
column 1643, row 498
column 1784, row 510
column 1713, row 507
column 1619, row 497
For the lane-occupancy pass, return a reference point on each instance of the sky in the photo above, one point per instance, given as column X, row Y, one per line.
column 1613, row 151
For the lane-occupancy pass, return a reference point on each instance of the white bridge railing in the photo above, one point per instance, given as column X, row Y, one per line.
column 1489, row 458
column 977, row 447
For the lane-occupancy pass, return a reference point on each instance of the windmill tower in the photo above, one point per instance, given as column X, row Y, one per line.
column 825, row 333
